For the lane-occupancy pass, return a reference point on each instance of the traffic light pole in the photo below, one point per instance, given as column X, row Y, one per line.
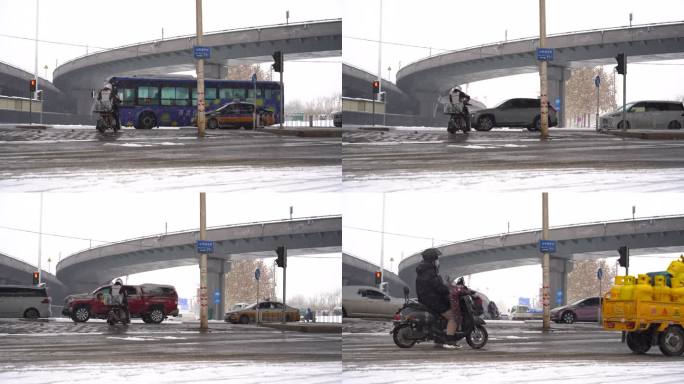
column 284, row 286
column 282, row 93
column 624, row 97
column 545, row 263
column 543, row 97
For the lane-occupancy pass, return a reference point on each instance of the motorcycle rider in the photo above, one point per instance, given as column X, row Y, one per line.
column 108, row 99
column 458, row 290
column 433, row 293
column 459, row 101
column 120, row 300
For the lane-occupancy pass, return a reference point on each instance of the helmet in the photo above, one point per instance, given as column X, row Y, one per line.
column 460, row 281
column 107, row 86
column 456, row 88
column 118, row 282
column 431, row 254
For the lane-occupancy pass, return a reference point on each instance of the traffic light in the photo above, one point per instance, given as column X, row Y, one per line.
column 36, row 277
column 39, row 95
column 378, row 277
column 376, row 87
column 32, row 85
column 383, row 96
column 278, row 61
column 621, row 64
column 624, row 256
column 281, row 260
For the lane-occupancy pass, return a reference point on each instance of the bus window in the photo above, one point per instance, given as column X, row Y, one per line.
column 148, row 96
column 174, row 96
column 250, row 93
column 233, row 93
column 127, row 96
column 209, row 94
column 268, row 94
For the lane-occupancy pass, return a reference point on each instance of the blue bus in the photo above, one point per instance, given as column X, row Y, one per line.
column 148, row 102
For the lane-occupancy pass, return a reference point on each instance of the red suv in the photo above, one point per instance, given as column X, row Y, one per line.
column 151, row 302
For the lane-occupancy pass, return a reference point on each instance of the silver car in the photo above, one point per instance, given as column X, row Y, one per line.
column 518, row 112
column 24, row 301
column 366, row 301
column 647, row 114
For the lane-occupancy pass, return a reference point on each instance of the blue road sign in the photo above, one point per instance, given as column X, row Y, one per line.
column 524, row 301
column 201, row 52
column 257, row 274
column 597, row 80
column 557, row 104
column 599, row 274
column 254, row 79
column 545, row 54
column 205, row 246
column 183, row 303
column 559, row 297
column 217, row 297
column 547, row 246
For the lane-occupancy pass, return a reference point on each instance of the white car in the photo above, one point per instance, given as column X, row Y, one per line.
column 24, row 301
column 647, row 114
column 366, row 301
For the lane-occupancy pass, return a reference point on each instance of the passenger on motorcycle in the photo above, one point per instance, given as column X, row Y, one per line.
column 457, row 291
column 433, row 293
column 108, row 101
column 459, row 102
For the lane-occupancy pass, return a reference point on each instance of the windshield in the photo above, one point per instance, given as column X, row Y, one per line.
column 627, row 107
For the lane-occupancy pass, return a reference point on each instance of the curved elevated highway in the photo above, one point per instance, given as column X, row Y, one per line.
column 427, row 78
column 87, row 269
column 304, row 40
column 17, row 272
column 356, row 271
column 574, row 242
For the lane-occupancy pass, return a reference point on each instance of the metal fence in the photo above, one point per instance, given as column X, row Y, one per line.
column 307, row 120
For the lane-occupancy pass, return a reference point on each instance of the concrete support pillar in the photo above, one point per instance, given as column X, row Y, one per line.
column 559, row 270
column 215, row 71
column 426, row 103
column 216, row 277
column 556, row 89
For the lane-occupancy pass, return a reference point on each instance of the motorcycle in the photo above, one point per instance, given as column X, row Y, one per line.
column 117, row 314
column 415, row 323
column 459, row 116
column 106, row 121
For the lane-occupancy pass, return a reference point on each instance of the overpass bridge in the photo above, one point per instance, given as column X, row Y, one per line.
column 574, row 242
column 356, row 271
column 423, row 81
column 87, row 269
column 17, row 272
column 304, row 40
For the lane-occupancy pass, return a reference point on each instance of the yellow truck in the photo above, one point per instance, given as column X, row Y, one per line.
column 649, row 308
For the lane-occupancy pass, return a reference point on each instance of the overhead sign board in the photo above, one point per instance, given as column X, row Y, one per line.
column 205, row 246
column 201, row 52
column 547, row 246
column 545, row 54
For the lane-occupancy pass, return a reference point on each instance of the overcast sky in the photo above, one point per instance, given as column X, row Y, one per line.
column 449, row 217
column 120, row 216
column 108, row 24
column 450, row 25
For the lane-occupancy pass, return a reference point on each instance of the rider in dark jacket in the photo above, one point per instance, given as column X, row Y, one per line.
column 432, row 292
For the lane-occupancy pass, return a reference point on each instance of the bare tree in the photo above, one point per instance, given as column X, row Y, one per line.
column 580, row 92
column 583, row 281
column 241, row 286
column 244, row 72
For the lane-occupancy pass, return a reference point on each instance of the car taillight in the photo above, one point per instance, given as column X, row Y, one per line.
column 46, row 300
column 397, row 316
column 610, row 324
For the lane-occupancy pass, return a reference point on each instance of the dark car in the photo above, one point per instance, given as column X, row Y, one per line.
column 237, row 115
column 150, row 302
column 337, row 119
column 513, row 113
column 581, row 310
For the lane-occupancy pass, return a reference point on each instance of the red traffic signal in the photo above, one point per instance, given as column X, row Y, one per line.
column 32, row 85
column 376, row 87
column 621, row 64
column 378, row 277
column 36, row 278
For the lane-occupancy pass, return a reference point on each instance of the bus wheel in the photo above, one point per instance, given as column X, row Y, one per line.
column 147, row 120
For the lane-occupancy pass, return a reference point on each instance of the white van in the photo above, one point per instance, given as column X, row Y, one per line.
column 24, row 301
